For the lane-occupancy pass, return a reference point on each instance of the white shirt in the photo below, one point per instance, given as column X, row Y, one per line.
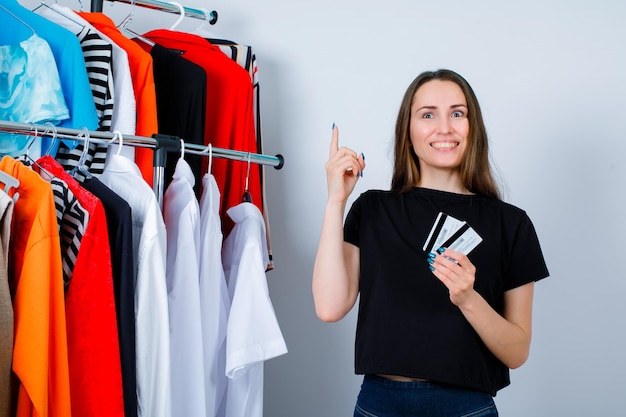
column 253, row 334
column 214, row 299
column 152, row 340
column 182, row 220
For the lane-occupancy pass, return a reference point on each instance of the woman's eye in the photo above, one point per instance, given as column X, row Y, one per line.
column 427, row 116
column 458, row 114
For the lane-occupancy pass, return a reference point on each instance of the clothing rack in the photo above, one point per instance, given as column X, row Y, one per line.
column 164, row 6
column 162, row 144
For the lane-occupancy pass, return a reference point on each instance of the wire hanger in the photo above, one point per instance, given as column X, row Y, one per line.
column 10, row 13
column 81, row 167
column 123, row 26
column 247, row 197
column 55, row 10
column 51, row 128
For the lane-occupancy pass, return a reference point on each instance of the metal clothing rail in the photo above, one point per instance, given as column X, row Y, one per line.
column 164, row 6
column 162, row 144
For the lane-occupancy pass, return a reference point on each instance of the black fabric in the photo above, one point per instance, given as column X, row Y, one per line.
column 120, row 227
column 407, row 324
column 180, row 87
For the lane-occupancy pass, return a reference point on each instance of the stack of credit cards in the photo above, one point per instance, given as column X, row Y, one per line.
column 451, row 233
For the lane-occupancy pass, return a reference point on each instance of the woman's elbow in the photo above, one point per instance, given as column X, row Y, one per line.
column 517, row 360
column 329, row 315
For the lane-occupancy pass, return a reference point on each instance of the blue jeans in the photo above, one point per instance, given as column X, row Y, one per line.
column 381, row 397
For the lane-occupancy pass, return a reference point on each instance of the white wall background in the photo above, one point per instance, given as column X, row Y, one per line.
column 551, row 78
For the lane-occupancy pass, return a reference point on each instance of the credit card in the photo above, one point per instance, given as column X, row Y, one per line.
column 451, row 233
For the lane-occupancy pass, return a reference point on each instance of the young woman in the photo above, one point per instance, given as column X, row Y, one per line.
column 438, row 329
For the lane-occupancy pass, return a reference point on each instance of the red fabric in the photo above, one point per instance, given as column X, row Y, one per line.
column 92, row 338
column 229, row 122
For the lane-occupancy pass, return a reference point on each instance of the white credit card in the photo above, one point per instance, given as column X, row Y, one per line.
column 451, row 233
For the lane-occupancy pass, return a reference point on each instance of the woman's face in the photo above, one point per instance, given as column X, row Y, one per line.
column 439, row 125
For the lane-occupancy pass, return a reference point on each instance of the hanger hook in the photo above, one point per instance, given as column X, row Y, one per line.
column 247, row 197
column 117, row 135
column 130, row 16
column 50, row 127
column 182, row 149
column 210, row 157
column 248, row 171
column 83, row 156
column 181, row 10
column 209, row 149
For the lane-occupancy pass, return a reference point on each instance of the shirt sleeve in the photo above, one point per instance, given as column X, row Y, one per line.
column 352, row 222
column 526, row 262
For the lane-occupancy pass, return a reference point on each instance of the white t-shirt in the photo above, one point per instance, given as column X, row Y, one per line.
column 253, row 334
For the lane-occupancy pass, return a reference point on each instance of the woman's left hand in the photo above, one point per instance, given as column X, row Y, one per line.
column 456, row 272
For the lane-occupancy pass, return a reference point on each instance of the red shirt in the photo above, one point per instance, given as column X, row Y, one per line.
column 92, row 337
column 229, row 122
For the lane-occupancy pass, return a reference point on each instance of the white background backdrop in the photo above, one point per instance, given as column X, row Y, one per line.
column 551, row 79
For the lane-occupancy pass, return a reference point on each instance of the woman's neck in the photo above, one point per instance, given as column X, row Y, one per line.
column 443, row 181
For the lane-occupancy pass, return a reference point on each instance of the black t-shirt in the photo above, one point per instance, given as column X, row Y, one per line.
column 407, row 324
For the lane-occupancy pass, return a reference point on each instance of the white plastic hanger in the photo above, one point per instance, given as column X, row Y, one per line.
column 181, row 10
column 10, row 182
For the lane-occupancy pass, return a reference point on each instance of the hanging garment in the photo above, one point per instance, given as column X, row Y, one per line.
column 229, row 121
column 181, row 100
column 36, row 280
column 30, row 91
column 98, row 56
column 124, row 109
column 214, row 299
column 246, row 58
column 70, row 64
column 120, row 227
column 6, row 307
column 143, row 85
column 72, row 219
column 109, row 76
column 152, row 341
column 253, row 334
column 182, row 220
column 92, row 335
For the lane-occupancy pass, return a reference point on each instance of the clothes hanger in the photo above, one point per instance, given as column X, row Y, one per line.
column 117, row 135
column 17, row 18
column 181, row 10
column 210, row 158
column 209, row 19
column 81, row 167
column 51, row 128
column 55, row 10
column 123, row 26
column 247, row 197
column 10, row 182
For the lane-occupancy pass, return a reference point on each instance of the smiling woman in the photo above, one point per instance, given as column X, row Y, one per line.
column 434, row 336
column 439, row 128
column 443, row 106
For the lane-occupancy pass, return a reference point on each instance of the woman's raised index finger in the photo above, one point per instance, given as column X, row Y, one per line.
column 334, row 141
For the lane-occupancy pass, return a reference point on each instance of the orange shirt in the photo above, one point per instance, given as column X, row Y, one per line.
column 36, row 279
column 140, row 63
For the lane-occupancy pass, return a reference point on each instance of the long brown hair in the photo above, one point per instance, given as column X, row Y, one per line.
column 475, row 169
